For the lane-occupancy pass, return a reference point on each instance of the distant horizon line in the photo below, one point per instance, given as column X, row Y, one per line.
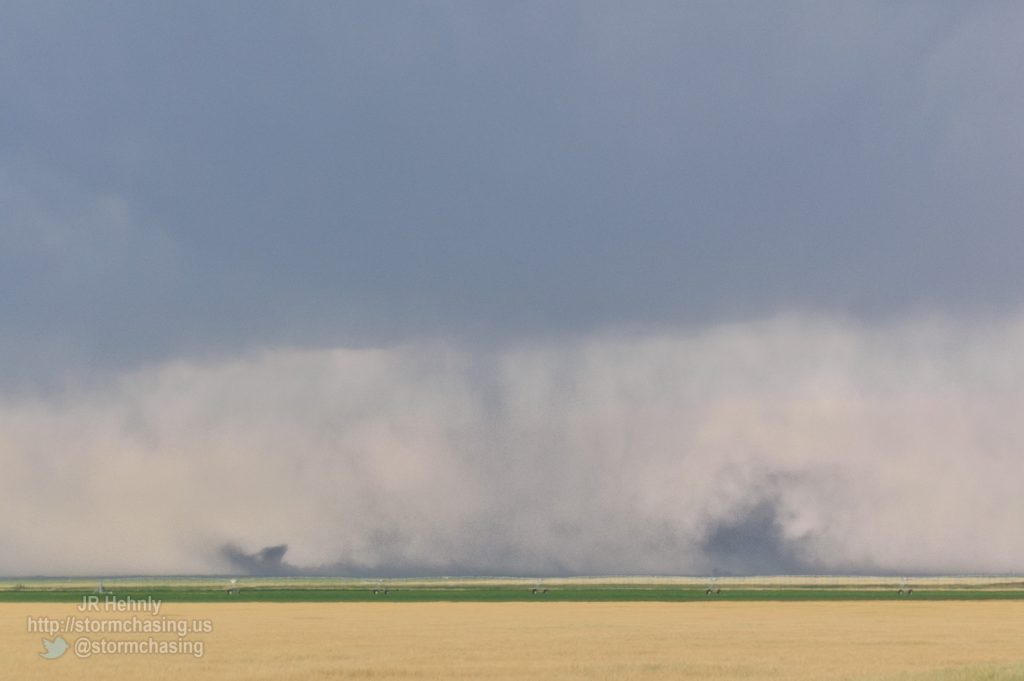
column 432, row 577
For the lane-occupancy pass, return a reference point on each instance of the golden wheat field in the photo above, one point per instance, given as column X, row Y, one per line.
column 497, row 641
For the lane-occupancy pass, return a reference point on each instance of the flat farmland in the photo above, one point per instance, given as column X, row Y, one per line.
column 546, row 640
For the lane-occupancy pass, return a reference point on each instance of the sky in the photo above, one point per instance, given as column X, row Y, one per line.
column 541, row 288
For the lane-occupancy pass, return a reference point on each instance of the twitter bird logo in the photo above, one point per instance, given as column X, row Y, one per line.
column 54, row 648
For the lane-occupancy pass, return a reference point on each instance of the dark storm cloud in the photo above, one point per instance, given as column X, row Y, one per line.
column 322, row 174
column 531, row 288
column 268, row 561
column 753, row 544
